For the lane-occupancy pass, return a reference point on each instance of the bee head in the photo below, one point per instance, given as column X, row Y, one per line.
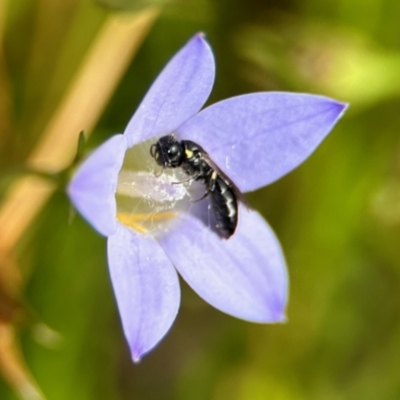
column 167, row 152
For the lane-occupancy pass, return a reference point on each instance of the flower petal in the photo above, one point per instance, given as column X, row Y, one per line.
column 146, row 287
column 178, row 93
column 92, row 188
column 257, row 138
column 244, row 276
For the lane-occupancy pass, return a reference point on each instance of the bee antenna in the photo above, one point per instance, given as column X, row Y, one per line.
column 158, row 175
column 152, row 150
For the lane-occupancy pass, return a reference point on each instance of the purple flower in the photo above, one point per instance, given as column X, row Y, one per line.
column 156, row 228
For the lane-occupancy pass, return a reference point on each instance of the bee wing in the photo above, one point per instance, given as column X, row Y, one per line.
column 239, row 195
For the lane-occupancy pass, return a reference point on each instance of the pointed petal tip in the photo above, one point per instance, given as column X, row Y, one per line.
column 200, row 35
column 342, row 107
column 178, row 93
column 334, row 105
column 345, row 105
column 275, row 311
column 281, row 319
column 136, row 358
column 199, row 39
column 138, row 351
column 279, row 313
column 148, row 298
column 274, row 317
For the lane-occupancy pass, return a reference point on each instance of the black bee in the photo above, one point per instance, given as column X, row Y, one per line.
column 170, row 153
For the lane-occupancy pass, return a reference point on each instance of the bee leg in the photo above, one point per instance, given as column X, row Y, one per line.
column 159, row 174
column 207, row 192
column 192, row 178
column 210, row 185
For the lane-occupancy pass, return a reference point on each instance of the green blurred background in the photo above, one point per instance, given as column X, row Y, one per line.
column 337, row 216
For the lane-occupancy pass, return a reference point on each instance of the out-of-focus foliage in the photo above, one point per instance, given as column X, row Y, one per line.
column 337, row 216
column 309, row 56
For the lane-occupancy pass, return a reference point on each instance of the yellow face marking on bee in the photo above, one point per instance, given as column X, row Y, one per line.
column 214, row 176
column 189, row 153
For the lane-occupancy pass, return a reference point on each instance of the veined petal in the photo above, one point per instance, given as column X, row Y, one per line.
column 244, row 276
column 146, row 287
column 92, row 188
column 257, row 138
column 178, row 93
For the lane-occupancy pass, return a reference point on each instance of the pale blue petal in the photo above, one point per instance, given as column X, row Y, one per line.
column 146, row 287
column 244, row 276
column 257, row 138
column 178, row 93
column 92, row 188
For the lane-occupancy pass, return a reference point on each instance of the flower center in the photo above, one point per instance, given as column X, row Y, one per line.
column 149, row 199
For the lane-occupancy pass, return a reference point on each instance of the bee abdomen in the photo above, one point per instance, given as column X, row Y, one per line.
column 224, row 204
